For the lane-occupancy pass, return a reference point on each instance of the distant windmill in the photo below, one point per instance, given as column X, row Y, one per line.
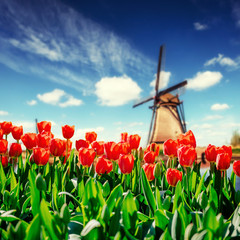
column 168, row 114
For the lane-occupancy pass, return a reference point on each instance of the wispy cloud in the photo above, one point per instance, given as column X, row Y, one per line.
column 60, row 98
column 223, row 61
column 3, row 113
column 219, row 106
column 203, row 80
column 199, row 26
column 212, row 117
column 61, row 45
column 117, row 91
column 32, row 102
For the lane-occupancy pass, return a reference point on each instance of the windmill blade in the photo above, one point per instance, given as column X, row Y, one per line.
column 179, row 85
column 143, row 101
column 151, row 124
column 160, row 67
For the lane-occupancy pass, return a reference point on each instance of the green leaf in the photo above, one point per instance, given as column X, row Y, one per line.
column 200, row 186
column 114, row 197
column 148, row 192
column 210, row 220
column 106, row 189
column 48, row 221
column 129, row 213
column 70, row 195
column 177, row 196
column 177, row 228
column 3, row 178
column 92, row 231
column 199, row 236
column 33, row 230
column 161, row 220
column 13, row 180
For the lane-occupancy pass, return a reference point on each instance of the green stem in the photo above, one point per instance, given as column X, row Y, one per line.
column 187, row 180
column 66, row 150
column 84, row 172
column 221, row 193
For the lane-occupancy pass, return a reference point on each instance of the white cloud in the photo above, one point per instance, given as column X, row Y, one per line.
column 203, row 80
column 60, row 98
column 200, row 27
column 164, row 80
column 3, row 113
column 223, row 61
column 212, row 117
column 218, row 106
column 134, row 124
column 117, row 91
column 32, row 102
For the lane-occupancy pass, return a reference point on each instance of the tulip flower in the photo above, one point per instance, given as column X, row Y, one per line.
column 43, row 139
column 112, row 150
column 124, row 137
column 68, row 131
column 153, row 147
column 149, row 157
column 98, row 146
column 223, row 161
column 187, row 139
column 15, row 150
column 134, row 141
column 103, row 166
column 57, row 147
column 186, row 155
column 211, row 153
column 126, row 163
column 4, row 160
column 41, row 155
column 81, row 143
column 90, row 136
column 86, row 156
column 29, row 140
column 170, row 148
column 236, row 168
column 3, row 146
column 6, row 127
column 149, row 171
column 17, row 132
column 225, row 149
column 125, row 148
column 173, row 176
column 44, row 126
column 1, row 133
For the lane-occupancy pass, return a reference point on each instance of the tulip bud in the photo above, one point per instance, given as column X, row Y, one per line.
column 157, row 170
column 40, row 183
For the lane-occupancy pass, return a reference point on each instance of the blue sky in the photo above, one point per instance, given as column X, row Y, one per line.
column 85, row 63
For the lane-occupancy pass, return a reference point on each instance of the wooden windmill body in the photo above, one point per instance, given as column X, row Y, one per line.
column 168, row 119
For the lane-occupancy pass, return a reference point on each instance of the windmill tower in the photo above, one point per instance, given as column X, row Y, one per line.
column 168, row 119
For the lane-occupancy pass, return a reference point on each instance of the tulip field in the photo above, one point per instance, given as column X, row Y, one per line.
column 90, row 189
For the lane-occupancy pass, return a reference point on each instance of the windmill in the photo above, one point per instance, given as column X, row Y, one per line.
column 168, row 120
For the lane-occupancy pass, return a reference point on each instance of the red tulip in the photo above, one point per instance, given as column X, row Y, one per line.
column 81, row 143
column 6, row 127
column 126, row 163
column 29, row 140
column 173, row 176
column 149, row 171
column 211, row 153
column 57, row 147
column 43, row 139
column 103, row 165
column 1, row 133
column 4, row 161
column 17, row 132
column 134, row 141
column 187, row 139
column 3, row 146
column 153, row 147
column 149, row 157
column 124, row 137
column 236, row 168
column 15, row 150
column 225, row 149
column 186, row 155
column 90, row 136
column 68, row 131
column 98, row 146
column 44, row 126
column 86, row 156
column 41, row 155
column 125, row 148
column 223, row 161
column 112, row 150
column 170, row 148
